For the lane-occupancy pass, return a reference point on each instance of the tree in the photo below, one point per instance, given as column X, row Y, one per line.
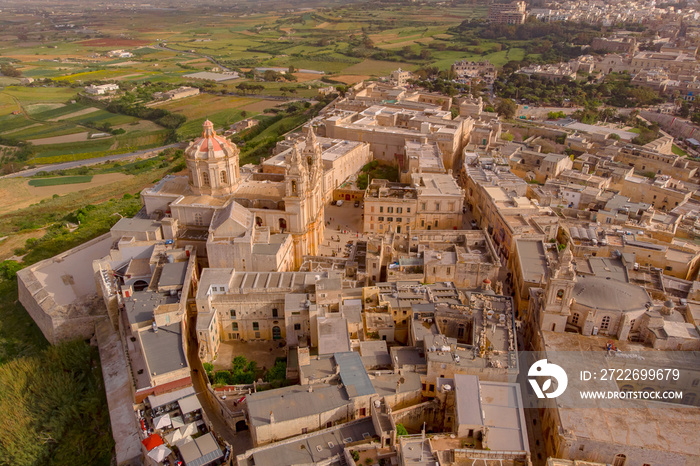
column 401, row 430
column 291, row 69
column 9, row 70
column 9, row 269
column 506, row 108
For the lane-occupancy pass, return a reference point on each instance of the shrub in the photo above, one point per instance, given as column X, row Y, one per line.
column 401, row 430
column 9, row 269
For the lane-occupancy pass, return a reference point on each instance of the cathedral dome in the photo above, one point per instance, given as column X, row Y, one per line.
column 210, row 145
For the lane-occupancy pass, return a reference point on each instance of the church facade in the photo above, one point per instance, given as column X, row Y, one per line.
column 250, row 221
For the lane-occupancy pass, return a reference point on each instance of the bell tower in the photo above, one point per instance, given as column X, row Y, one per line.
column 558, row 296
column 297, row 175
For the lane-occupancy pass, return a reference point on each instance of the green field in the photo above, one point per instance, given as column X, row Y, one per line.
column 678, row 151
column 60, row 180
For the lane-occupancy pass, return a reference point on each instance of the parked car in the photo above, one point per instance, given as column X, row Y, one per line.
column 339, row 203
column 357, row 203
column 473, row 224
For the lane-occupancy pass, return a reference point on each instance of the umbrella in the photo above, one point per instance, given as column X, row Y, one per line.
column 162, row 422
column 177, row 422
column 189, row 429
column 159, row 453
column 172, row 437
column 152, row 441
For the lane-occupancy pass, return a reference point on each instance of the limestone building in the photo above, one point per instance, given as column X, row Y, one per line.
column 432, row 201
column 224, row 212
column 387, row 129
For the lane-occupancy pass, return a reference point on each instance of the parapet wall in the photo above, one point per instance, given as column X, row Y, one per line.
column 37, row 293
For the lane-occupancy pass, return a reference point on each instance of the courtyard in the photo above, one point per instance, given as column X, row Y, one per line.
column 264, row 353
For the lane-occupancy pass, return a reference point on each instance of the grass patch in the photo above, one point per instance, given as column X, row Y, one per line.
column 678, row 151
column 60, row 180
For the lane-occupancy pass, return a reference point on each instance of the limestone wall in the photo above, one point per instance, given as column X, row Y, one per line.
column 69, row 278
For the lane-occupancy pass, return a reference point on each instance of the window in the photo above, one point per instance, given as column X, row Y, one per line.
column 233, row 313
column 205, row 179
column 390, row 219
column 256, row 326
column 381, row 219
column 257, row 334
column 198, row 219
column 398, row 219
column 399, row 210
column 422, row 223
column 605, row 323
column 223, row 177
column 234, row 325
column 274, row 313
column 448, row 270
column 560, row 295
column 297, row 326
column 574, row 318
column 437, row 206
column 436, row 223
column 390, row 210
column 422, row 205
column 381, row 209
column 619, row 460
column 408, row 210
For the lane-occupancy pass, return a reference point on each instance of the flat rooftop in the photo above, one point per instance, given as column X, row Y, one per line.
column 333, row 335
column 532, row 259
column 353, row 374
column 313, row 448
column 69, row 275
column 294, row 402
column 163, row 349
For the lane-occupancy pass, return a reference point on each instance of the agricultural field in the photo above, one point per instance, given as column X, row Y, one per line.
column 58, row 181
column 223, row 111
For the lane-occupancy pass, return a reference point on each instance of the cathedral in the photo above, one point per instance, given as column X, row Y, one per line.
column 247, row 220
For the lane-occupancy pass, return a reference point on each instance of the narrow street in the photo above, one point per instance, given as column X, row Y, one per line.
column 218, row 424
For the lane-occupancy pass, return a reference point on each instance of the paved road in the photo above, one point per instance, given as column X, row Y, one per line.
column 213, row 412
column 87, row 162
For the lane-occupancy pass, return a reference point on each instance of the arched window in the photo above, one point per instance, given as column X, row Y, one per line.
column 294, row 187
column 620, row 460
column 198, row 219
column 223, row 178
column 560, row 295
column 276, row 333
column 605, row 323
column 205, row 179
column 258, row 221
column 574, row 318
column 283, row 224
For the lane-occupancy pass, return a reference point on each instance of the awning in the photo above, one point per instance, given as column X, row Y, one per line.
column 152, row 441
column 189, row 404
column 162, row 422
column 159, row 453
